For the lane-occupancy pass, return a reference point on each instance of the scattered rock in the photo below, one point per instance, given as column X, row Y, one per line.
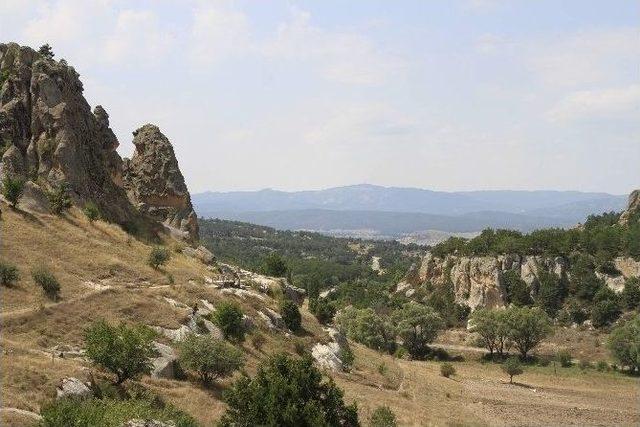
column 175, row 335
column 242, row 293
column 201, row 253
column 329, row 355
column 294, row 293
column 147, row 423
column 73, row 388
column 175, row 304
column 164, row 366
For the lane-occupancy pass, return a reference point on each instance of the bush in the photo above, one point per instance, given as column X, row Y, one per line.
column 347, row 357
column 47, row 281
column 605, row 312
column 527, row 327
column 417, row 325
column 59, row 200
column 158, row 256
column 517, row 289
column 287, row 391
column 110, row 412
column 631, row 294
column 209, row 357
column 323, row 309
column 46, row 51
column 274, row 265
column 298, row 346
column 291, row 315
column 12, row 189
column 8, row 274
column 602, row 366
column 228, row 316
column 447, row 369
column 91, row 211
column 564, row 358
column 492, row 328
column 585, row 364
column 124, row 351
column 383, row 416
column 257, row 341
column 367, row 328
column 624, row 343
column 512, row 367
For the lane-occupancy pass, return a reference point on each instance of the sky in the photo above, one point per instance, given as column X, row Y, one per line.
column 292, row 95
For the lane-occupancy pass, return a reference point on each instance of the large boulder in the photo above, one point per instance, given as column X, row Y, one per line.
column 73, row 388
column 164, row 365
column 155, row 184
column 330, row 355
column 201, row 253
column 294, row 293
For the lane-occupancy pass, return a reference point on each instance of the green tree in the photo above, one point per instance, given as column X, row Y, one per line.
column 274, row 265
column 12, row 189
column 517, row 289
column 91, row 211
column 125, row 351
column 291, row 315
column 417, row 325
column 209, row 357
column 606, row 307
column 158, row 256
column 8, row 274
column 323, row 309
column 551, row 292
column 367, row 328
column 527, row 327
column 46, row 51
column 59, row 200
column 287, row 392
column 383, row 416
column 624, row 343
column 584, row 283
column 512, row 367
column 492, row 328
column 631, row 294
column 228, row 316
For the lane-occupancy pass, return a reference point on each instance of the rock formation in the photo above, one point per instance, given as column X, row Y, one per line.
column 155, row 184
column 50, row 137
column 633, row 208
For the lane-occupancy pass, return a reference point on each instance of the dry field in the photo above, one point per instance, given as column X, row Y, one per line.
column 103, row 273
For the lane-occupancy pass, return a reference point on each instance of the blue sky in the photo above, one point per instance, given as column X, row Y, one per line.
column 447, row 95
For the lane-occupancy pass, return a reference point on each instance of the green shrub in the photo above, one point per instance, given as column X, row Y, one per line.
column 123, row 350
column 91, row 211
column 257, row 341
column 383, row 416
column 447, row 369
column 299, row 348
column 631, row 294
column 527, row 327
column 287, row 391
column 47, row 281
column 367, row 328
column 323, row 309
column 602, row 366
column 209, row 357
column 59, row 200
column 347, row 357
column 512, row 367
column 46, row 51
column 605, row 312
column 624, row 343
column 492, row 329
column 291, row 315
column 585, row 364
column 8, row 274
column 274, row 265
column 417, row 325
column 158, row 256
column 110, row 412
column 228, row 317
column 12, row 189
column 564, row 358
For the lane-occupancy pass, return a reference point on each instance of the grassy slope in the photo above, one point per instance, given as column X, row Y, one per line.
column 78, row 252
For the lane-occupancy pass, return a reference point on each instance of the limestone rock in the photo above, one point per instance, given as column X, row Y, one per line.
column 73, row 388
column 155, row 184
column 294, row 293
column 164, row 365
column 329, row 355
column 147, row 423
column 201, row 253
column 275, row 319
column 633, row 207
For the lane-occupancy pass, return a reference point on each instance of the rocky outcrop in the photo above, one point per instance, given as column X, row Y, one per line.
column 201, row 253
column 633, row 208
column 330, row 355
column 165, row 364
column 52, row 137
column 294, row 293
column 478, row 281
column 147, row 423
column 73, row 388
column 155, row 184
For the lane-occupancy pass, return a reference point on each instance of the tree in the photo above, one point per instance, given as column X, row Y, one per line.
column 12, row 189
column 517, row 289
column 624, row 343
column 8, row 274
column 287, row 392
column 383, row 416
column 551, row 292
column 584, row 283
column 606, row 308
column 492, row 327
column 228, row 316
column 291, row 315
column 274, row 265
column 512, row 367
column 158, row 256
column 91, row 211
column 418, row 325
column 367, row 328
column 59, row 200
column 527, row 327
column 631, row 294
column 46, row 51
column 125, row 351
column 323, row 309
column 209, row 357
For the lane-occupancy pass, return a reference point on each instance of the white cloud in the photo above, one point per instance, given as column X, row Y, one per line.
column 597, row 104
column 62, row 21
column 137, row 37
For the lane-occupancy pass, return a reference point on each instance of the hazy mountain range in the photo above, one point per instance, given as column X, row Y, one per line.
column 392, row 212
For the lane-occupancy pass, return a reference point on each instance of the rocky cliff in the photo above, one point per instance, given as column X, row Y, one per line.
column 49, row 137
column 633, row 208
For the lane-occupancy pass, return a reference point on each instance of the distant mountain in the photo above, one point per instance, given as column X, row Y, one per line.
column 569, row 205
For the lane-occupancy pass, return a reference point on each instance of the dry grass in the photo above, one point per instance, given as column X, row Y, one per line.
column 78, row 252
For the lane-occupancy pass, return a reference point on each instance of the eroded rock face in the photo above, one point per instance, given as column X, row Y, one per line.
column 633, row 207
column 73, row 388
column 53, row 137
column 155, row 184
column 329, row 356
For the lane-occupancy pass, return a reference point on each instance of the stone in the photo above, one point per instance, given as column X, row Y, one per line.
column 633, row 208
column 155, row 184
column 274, row 318
column 164, row 365
column 175, row 335
column 201, row 253
column 294, row 293
column 147, row 423
column 73, row 388
column 329, row 355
